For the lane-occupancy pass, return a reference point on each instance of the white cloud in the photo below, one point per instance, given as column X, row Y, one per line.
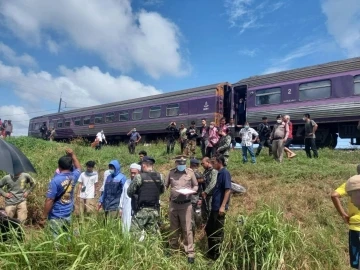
column 18, row 116
column 109, row 28
column 10, row 55
column 247, row 52
column 52, row 46
column 343, row 23
column 80, row 87
column 247, row 14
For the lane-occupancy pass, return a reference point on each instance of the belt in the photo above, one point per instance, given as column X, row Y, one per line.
column 181, row 202
column 275, row 139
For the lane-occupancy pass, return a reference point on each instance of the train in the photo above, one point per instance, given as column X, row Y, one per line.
column 329, row 92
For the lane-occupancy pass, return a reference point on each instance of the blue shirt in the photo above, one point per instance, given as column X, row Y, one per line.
column 223, row 182
column 63, row 207
column 134, row 136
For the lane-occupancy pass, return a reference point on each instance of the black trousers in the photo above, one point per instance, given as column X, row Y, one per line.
column 264, row 142
column 170, row 146
column 98, row 147
column 203, row 148
column 310, row 145
column 215, row 233
column 210, row 152
column 131, row 147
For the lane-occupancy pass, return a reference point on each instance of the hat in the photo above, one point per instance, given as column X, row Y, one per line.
column 181, row 159
column 135, row 166
column 279, row 116
column 353, row 183
column 146, row 158
column 194, row 161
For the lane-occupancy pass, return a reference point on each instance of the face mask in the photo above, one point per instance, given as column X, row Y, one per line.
column 111, row 171
column 279, row 121
column 181, row 168
column 211, row 126
column 304, row 118
column 246, row 127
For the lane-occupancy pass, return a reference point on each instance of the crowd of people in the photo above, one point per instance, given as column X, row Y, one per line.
column 6, row 128
column 198, row 200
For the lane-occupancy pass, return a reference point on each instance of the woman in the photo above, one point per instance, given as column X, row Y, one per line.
column 213, row 140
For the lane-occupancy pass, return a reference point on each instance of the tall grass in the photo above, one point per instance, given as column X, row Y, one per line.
column 284, row 221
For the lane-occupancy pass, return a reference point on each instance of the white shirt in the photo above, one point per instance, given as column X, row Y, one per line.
column 247, row 136
column 100, row 136
column 89, row 183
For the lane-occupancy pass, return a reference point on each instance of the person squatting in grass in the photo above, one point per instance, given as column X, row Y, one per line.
column 88, row 182
column 59, row 203
column 351, row 217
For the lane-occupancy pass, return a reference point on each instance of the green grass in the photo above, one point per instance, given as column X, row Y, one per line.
column 288, row 218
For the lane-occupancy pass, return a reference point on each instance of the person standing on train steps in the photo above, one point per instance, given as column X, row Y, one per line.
column 43, row 130
column 134, row 140
column 241, row 111
column 204, row 133
column 278, row 137
column 192, row 137
column 264, row 136
column 358, row 127
column 183, row 138
column 232, row 132
column 100, row 137
column 310, row 129
column 289, row 153
column 180, row 210
column 172, row 134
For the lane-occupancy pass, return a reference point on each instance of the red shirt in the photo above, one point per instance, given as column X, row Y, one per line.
column 290, row 130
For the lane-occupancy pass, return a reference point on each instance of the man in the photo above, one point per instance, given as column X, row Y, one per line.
column 59, row 203
column 289, row 153
column 247, row 135
column 125, row 200
column 145, row 191
column 9, row 129
column 358, row 126
column 224, row 144
column 310, row 129
column 241, row 111
column 100, row 137
column 220, row 200
column 278, row 137
column 351, row 217
column 110, row 198
column 88, row 181
column 204, row 133
column 180, row 210
column 43, row 130
column 183, row 137
column 264, row 136
column 191, row 144
column 52, row 135
column 232, row 132
column 134, row 140
column 172, row 133
column 142, row 154
column 196, row 198
column 210, row 176
column 18, row 187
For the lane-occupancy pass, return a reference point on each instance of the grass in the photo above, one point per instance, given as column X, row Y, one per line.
column 285, row 220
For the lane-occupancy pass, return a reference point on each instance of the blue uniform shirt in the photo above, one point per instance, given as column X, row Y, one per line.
column 63, row 207
column 223, row 182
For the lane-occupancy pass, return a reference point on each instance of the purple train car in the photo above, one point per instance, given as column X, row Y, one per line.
column 150, row 115
column 330, row 93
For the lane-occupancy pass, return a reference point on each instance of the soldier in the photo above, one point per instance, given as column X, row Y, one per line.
column 264, row 131
column 180, row 210
column 191, row 143
column 172, row 134
column 210, row 176
column 224, row 144
column 196, row 198
column 145, row 191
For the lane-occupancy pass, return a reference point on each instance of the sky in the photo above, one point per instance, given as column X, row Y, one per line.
column 92, row 52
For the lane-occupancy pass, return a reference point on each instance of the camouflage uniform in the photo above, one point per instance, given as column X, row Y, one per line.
column 224, row 147
column 191, row 143
column 147, row 218
column 196, row 220
column 210, row 178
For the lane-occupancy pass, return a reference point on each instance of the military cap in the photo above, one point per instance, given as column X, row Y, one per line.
column 194, row 161
column 181, row 159
column 146, row 158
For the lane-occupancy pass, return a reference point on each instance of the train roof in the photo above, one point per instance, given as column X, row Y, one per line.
column 148, row 98
column 302, row 73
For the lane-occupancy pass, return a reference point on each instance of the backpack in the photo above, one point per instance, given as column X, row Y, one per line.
column 237, row 188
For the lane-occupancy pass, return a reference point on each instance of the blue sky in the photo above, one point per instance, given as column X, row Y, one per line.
column 95, row 52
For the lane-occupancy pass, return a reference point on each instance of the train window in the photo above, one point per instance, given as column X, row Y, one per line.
column 172, row 109
column 315, row 90
column 86, row 121
column 109, row 117
column 67, row 122
column 155, row 112
column 98, row 119
column 357, row 85
column 124, row 116
column 36, row 126
column 137, row 114
column 268, row 96
column 60, row 123
column 77, row 121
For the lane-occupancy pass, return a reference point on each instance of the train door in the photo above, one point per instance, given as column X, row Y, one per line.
column 239, row 108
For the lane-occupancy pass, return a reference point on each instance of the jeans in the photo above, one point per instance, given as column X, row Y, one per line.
column 310, row 144
column 249, row 149
column 215, row 232
column 170, row 146
column 264, row 142
column 203, row 148
column 131, row 147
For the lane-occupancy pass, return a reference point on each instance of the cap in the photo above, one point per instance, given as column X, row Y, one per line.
column 353, row 183
column 194, row 161
column 181, row 159
column 146, row 158
column 279, row 116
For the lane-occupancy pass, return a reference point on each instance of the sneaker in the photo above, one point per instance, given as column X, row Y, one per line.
column 191, row 260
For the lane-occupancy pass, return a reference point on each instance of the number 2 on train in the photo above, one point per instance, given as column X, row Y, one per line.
column 289, row 91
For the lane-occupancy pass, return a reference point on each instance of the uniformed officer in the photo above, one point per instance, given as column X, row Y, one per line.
column 197, row 197
column 145, row 191
column 180, row 210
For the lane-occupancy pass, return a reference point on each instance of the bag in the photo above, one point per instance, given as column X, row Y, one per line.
column 62, row 193
column 83, row 189
column 237, row 188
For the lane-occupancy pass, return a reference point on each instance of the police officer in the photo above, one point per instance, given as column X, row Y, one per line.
column 180, row 210
column 145, row 191
column 196, row 198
